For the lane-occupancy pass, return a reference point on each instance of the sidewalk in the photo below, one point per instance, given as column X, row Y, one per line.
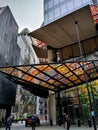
column 62, row 128
column 45, row 126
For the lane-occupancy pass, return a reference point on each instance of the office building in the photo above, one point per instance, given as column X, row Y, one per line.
column 9, row 55
column 55, row 9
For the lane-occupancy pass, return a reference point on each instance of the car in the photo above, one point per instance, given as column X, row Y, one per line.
column 28, row 121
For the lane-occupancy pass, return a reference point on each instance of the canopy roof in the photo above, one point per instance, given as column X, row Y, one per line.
column 62, row 32
column 38, row 78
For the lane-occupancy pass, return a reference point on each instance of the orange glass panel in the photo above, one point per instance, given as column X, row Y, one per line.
column 27, row 77
column 24, row 68
column 73, row 78
column 33, row 71
column 7, row 70
column 77, row 81
column 41, row 67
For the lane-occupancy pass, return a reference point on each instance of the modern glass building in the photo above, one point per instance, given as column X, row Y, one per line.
column 55, row 9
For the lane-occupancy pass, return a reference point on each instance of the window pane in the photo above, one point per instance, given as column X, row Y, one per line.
column 77, row 3
column 50, row 4
column 70, row 5
column 46, row 17
column 56, row 2
column 63, row 9
column 45, row 6
column 61, row 0
column 57, row 12
column 51, row 15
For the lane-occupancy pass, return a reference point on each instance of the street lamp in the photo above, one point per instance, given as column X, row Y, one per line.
column 85, row 75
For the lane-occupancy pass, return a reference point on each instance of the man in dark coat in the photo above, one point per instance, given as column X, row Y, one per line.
column 33, row 122
column 8, row 123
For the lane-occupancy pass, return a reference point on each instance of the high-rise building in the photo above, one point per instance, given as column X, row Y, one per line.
column 55, row 9
column 9, row 55
column 32, row 51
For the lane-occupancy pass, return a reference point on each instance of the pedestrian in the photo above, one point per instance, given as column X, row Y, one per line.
column 33, row 122
column 3, row 122
column 46, row 118
column 67, row 122
column 8, row 123
column 59, row 120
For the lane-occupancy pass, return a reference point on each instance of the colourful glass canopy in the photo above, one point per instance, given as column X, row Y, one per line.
column 52, row 76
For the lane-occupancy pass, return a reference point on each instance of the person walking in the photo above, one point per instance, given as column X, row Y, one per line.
column 33, row 122
column 8, row 123
column 67, row 122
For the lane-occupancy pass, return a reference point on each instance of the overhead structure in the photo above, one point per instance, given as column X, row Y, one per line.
column 61, row 34
column 39, row 78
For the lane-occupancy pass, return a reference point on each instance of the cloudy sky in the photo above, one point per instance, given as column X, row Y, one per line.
column 27, row 13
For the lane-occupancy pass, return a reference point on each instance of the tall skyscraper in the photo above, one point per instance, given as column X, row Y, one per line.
column 55, row 9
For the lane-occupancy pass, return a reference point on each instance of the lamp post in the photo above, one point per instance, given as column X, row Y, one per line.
column 85, row 75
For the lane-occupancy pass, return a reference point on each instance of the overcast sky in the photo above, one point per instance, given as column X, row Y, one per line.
column 27, row 13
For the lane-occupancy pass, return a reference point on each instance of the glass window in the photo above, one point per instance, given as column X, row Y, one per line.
column 45, row 6
column 51, row 16
column 77, row 3
column 50, row 4
column 70, row 5
column 56, row 2
column 57, row 12
column 63, row 9
column 61, row 0
column 85, row 1
column 46, row 17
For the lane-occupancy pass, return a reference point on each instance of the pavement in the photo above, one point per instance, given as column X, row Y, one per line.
column 46, row 126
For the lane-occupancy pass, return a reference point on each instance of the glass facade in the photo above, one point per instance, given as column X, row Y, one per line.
column 75, row 102
column 55, row 9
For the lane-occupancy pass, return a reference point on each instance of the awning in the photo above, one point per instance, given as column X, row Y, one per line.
column 62, row 32
column 39, row 78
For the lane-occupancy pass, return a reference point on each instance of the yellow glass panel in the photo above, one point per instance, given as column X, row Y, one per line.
column 62, row 69
column 44, row 84
column 51, row 81
column 15, row 72
column 7, row 70
column 79, row 71
column 69, row 74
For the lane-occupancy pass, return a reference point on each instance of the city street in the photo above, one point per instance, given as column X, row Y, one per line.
column 44, row 126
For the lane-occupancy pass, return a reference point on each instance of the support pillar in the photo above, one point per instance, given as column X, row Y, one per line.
column 52, row 108
column 52, row 101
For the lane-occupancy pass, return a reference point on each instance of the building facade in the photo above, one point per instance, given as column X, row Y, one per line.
column 31, row 52
column 70, row 102
column 9, row 55
column 55, row 9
